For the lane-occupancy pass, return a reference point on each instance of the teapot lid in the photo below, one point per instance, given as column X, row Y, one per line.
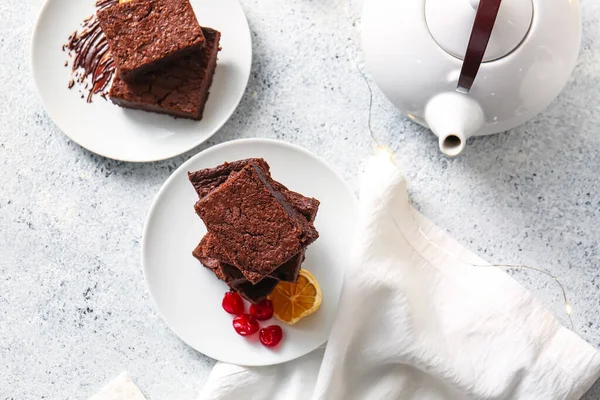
column 450, row 23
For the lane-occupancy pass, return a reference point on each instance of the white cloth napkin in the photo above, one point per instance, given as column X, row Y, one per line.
column 120, row 388
column 416, row 323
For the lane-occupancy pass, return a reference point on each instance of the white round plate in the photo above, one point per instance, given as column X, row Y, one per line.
column 188, row 296
column 132, row 135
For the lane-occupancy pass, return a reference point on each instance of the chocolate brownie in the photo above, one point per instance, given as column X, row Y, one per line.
column 253, row 222
column 255, row 293
column 179, row 89
column 206, row 180
column 234, row 278
column 213, row 254
column 146, row 34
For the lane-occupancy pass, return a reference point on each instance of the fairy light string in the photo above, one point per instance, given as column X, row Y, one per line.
column 386, row 149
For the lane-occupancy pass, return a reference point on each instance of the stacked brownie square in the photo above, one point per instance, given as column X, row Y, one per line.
column 165, row 60
column 258, row 230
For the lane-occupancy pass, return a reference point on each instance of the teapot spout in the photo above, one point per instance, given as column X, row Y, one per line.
column 452, row 144
column 453, row 117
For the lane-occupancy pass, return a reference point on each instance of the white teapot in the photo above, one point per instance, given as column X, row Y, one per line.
column 470, row 67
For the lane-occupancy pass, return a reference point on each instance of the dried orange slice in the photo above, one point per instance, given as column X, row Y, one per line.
column 294, row 301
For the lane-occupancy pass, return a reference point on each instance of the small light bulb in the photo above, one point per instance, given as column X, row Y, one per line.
column 384, row 152
column 568, row 309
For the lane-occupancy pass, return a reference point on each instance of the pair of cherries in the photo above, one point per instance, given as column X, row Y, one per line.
column 247, row 324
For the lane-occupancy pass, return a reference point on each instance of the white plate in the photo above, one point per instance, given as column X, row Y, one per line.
column 188, row 296
column 132, row 135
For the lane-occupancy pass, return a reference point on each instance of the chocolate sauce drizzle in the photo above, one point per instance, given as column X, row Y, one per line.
column 92, row 62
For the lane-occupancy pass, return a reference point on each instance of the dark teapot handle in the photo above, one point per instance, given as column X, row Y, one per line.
column 480, row 37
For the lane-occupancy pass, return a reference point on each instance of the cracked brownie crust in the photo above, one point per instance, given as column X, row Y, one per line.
column 179, row 89
column 144, row 34
column 206, row 180
column 253, row 222
column 218, row 261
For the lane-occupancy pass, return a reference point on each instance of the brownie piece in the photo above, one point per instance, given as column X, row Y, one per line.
column 255, row 293
column 255, row 225
column 206, row 180
column 214, row 255
column 179, row 89
column 145, row 34
column 234, row 278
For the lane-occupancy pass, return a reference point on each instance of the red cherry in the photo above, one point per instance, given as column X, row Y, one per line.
column 233, row 303
column 271, row 335
column 245, row 324
column 263, row 310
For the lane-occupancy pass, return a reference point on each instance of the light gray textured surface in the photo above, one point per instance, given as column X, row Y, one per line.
column 74, row 311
